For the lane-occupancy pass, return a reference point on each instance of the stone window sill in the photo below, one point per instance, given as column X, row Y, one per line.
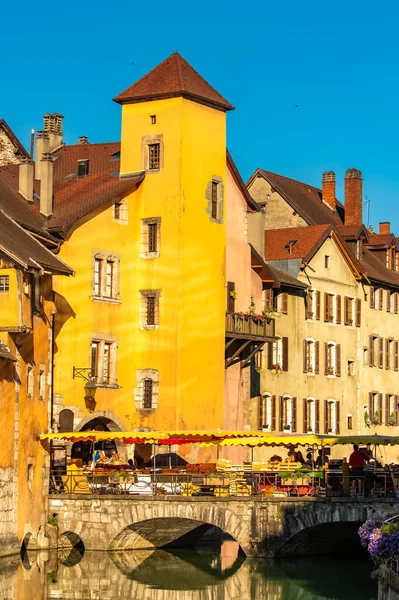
column 146, row 411
column 149, row 327
column 105, row 299
column 149, row 255
column 107, row 386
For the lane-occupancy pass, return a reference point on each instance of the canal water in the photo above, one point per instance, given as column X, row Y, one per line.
column 202, row 574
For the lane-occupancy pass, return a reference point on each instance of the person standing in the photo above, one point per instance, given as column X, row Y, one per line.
column 356, row 463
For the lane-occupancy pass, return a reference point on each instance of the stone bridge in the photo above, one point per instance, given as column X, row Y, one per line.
column 262, row 527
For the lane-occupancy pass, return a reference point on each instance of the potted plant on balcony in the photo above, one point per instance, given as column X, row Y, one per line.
column 330, row 371
column 310, row 369
column 233, row 295
column 265, row 427
column 367, row 419
column 287, row 427
column 391, row 419
column 310, row 429
column 277, row 368
column 376, row 418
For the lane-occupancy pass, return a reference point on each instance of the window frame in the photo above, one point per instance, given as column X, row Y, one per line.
column 145, row 224
column 4, row 284
column 105, row 277
column 104, row 361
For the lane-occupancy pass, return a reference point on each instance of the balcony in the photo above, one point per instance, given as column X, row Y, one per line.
column 249, row 327
column 245, row 336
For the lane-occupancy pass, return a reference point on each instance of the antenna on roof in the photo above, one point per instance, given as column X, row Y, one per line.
column 32, row 142
column 367, row 201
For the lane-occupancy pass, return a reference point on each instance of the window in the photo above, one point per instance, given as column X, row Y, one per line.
column 389, row 303
column 214, row 211
column 278, row 355
column 349, row 422
column 4, row 283
column 146, row 391
column 310, row 356
column 372, row 297
column 231, row 296
column 311, row 415
column 349, row 313
column 329, row 308
column 103, row 362
column 149, row 309
column 350, row 367
column 375, row 408
column 332, row 359
column 214, row 195
column 106, row 276
column 29, row 381
column 311, row 304
column 380, row 299
column 283, row 302
column 287, row 414
column 326, row 262
column 358, row 249
column 373, row 350
column 42, row 382
column 97, row 276
column 366, row 356
column 395, row 303
column 391, row 409
column 331, row 416
column 260, row 360
column 153, row 119
column 106, row 374
column 393, row 259
column 121, row 211
column 95, row 352
column 154, row 156
column 267, row 413
column 150, row 237
column 389, row 353
column 83, row 167
column 269, row 300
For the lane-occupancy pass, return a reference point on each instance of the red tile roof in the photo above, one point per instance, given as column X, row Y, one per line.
column 306, row 241
column 305, row 199
column 27, row 251
column 381, row 240
column 171, row 78
column 375, row 270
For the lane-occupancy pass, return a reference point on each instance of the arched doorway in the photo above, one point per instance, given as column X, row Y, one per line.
column 99, row 422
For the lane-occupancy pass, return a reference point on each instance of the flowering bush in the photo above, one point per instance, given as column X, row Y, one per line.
column 380, row 538
column 367, row 529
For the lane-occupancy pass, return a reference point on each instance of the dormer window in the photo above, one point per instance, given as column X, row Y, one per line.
column 83, row 168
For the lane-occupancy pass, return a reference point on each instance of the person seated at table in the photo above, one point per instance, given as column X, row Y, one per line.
column 290, row 456
column 356, row 463
column 309, row 460
column 298, row 457
column 320, row 460
column 132, row 462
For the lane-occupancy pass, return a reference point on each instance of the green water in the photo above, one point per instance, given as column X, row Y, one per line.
column 183, row 575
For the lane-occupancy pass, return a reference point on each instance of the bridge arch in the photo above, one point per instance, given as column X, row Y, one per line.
column 111, row 421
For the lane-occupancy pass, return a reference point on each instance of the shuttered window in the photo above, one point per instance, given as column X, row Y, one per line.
column 396, row 355
column 284, row 303
column 358, row 312
column 269, row 300
column 318, row 303
column 329, row 308
column 97, row 276
column 381, row 353
column 95, row 351
column 395, row 303
column 372, row 297
column 311, row 415
column 285, row 353
column 267, row 413
column 231, row 290
column 338, row 300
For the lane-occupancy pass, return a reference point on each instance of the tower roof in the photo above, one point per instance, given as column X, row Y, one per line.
column 171, row 78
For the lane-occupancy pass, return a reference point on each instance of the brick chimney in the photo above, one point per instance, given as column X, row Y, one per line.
column 328, row 189
column 46, row 185
column 42, row 146
column 353, row 197
column 385, row 228
column 25, row 185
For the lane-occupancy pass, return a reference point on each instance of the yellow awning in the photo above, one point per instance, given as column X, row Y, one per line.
column 219, row 438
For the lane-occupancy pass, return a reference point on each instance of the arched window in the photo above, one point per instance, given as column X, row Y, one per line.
column 65, row 420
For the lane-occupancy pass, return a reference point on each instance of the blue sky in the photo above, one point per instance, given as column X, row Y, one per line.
column 338, row 61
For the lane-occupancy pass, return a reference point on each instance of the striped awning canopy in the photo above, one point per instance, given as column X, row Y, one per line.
column 219, row 438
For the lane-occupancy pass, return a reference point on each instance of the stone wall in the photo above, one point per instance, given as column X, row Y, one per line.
column 262, row 527
column 8, row 150
column 8, row 512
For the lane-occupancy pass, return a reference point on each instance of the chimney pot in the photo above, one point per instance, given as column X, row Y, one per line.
column 328, row 189
column 83, row 139
column 25, row 185
column 353, row 197
column 53, row 127
column 385, row 228
column 46, row 185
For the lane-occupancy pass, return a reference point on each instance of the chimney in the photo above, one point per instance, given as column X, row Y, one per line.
column 83, row 139
column 353, row 197
column 53, row 127
column 328, row 189
column 385, row 228
column 26, row 169
column 42, row 146
column 46, row 185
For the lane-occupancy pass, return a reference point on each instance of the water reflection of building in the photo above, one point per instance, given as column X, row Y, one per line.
column 161, row 575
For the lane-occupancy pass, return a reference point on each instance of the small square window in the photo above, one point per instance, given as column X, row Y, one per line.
column 153, row 119
column 350, row 368
column 154, row 156
column 349, row 422
column 4, row 283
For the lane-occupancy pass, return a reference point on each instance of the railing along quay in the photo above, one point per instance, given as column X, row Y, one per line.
column 211, row 485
